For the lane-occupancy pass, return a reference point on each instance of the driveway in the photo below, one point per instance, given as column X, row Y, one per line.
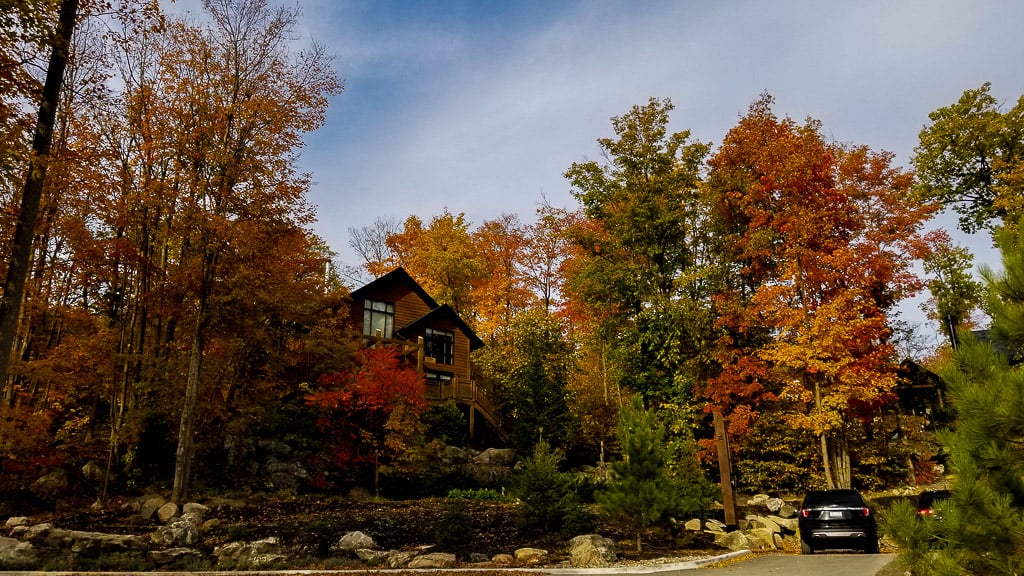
column 793, row 564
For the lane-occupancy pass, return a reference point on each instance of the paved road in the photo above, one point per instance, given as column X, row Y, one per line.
column 797, row 565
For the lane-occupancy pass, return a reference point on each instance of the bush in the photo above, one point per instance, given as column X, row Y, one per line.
column 479, row 495
column 456, row 526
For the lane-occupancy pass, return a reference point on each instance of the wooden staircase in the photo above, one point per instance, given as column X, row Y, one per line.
column 468, row 393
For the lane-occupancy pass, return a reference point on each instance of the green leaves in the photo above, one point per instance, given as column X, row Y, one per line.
column 970, row 158
column 639, row 488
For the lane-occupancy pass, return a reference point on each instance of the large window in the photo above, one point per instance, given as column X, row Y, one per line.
column 440, row 345
column 378, row 318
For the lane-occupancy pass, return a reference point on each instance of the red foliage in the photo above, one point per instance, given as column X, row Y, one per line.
column 354, row 405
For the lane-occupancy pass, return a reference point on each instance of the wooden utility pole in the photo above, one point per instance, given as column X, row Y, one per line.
column 725, row 469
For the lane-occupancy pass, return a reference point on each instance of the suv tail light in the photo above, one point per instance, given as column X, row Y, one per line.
column 805, row 512
column 867, row 511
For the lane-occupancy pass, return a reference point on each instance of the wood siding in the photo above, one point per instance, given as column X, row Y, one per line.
column 408, row 308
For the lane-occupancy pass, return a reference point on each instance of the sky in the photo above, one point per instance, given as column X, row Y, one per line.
column 479, row 107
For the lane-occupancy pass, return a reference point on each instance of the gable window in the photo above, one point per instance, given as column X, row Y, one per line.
column 440, row 345
column 378, row 318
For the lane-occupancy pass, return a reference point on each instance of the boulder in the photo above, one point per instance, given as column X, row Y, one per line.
column 51, row 487
column 256, row 555
column 16, row 554
column 174, row 555
column 149, row 505
column 454, row 455
column 433, row 560
column 93, row 472
column 787, row 511
column 196, row 508
column 734, row 541
column 693, row 525
column 591, row 551
column 487, row 474
column 15, row 521
column 787, row 525
column 399, row 558
column 754, row 522
column 370, row 556
column 714, row 526
column 165, row 513
column 478, row 558
column 502, row 559
column 496, row 457
column 354, row 541
column 529, row 555
column 775, row 504
column 758, row 500
column 761, row 538
column 181, row 531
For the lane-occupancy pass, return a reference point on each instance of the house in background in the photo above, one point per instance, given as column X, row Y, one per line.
column 394, row 309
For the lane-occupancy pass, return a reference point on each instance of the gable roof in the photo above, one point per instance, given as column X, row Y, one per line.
column 396, row 276
column 445, row 311
column 400, row 276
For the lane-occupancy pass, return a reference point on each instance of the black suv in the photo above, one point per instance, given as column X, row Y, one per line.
column 837, row 519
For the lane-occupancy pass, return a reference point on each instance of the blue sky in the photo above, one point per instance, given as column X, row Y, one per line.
column 480, row 106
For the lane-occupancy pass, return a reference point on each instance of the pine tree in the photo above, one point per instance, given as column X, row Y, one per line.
column 639, row 489
column 541, row 488
column 981, row 531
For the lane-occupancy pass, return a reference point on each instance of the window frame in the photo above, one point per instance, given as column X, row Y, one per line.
column 373, row 312
column 432, row 337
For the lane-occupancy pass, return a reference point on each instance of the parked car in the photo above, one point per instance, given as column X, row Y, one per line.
column 928, row 499
column 837, row 519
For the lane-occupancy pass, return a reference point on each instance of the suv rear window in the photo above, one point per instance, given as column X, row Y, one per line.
column 818, row 498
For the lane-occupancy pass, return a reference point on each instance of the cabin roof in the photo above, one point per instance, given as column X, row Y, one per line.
column 429, row 320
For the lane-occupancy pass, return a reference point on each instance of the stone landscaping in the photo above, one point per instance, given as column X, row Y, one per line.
column 172, row 539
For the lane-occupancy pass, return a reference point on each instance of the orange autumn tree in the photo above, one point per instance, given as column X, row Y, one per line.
column 503, row 291
column 823, row 237
column 441, row 256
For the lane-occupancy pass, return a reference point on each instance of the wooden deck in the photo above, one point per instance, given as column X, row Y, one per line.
column 469, row 393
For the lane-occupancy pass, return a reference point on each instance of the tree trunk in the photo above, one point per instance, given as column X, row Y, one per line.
column 21, row 252
column 186, row 431
column 839, row 456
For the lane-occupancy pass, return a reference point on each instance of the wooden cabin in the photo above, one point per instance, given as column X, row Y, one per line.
column 395, row 310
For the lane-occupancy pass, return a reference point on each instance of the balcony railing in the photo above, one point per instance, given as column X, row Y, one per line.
column 466, row 392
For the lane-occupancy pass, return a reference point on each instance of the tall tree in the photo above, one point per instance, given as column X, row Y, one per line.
column 823, row 237
column 371, row 413
column 971, row 157
column 529, row 364
column 642, row 268
column 239, row 100
column 31, row 195
column 502, row 291
column 442, row 257
column 370, row 244
column 955, row 293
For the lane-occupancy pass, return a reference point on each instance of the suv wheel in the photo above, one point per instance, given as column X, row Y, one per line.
column 805, row 548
